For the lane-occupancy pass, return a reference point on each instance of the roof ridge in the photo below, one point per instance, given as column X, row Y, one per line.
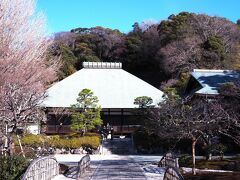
column 102, row 65
column 213, row 70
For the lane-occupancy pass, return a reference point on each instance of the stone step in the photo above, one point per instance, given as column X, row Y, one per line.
column 118, row 146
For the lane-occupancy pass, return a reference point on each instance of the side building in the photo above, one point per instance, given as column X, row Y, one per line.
column 205, row 82
column 115, row 88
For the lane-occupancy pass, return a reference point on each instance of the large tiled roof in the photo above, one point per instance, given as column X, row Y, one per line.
column 211, row 80
column 114, row 87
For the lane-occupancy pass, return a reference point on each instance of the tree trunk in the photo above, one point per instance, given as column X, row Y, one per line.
column 5, row 146
column 20, row 144
column 209, row 156
column 221, row 155
column 194, row 141
column 11, row 146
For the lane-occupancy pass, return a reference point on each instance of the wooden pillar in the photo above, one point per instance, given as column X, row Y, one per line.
column 109, row 116
column 122, row 119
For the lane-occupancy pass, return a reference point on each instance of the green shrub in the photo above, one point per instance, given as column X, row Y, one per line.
column 142, row 140
column 90, row 134
column 216, row 149
column 73, row 141
column 12, row 167
column 53, row 141
column 185, row 160
column 77, row 135
column 32, row 140
column 91, row 142
column 152, row 143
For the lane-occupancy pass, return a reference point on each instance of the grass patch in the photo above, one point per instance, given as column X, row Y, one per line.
column 212, row 176
column 232, row 164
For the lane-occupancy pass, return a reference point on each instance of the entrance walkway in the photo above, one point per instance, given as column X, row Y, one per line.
column 121, row 167
column 115, row 162
column 106, row 167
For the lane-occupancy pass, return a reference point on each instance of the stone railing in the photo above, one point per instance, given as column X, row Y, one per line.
column 42, row 168
column 172, row 173
column 76, row 172
column 83, row 165
column 169, row 160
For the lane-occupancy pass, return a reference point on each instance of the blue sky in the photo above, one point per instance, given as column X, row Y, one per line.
column 64, row 15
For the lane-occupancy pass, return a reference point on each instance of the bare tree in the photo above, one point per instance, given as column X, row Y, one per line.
column 197, row 119
column 208, row 26
column 230, row 100
column 146, row 24
column 181, row 55
column 197, row 41
column 24, row 70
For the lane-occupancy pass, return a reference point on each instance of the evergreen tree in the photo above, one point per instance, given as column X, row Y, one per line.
column 87, row 112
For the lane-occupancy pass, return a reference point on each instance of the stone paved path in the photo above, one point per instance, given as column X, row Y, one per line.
column 107, row 167
column 115, row 162
column 118, row 169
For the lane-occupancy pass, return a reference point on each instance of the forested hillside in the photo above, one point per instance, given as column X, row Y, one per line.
column 158, row 53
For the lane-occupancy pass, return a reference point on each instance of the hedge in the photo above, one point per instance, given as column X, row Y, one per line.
column 66, row 142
